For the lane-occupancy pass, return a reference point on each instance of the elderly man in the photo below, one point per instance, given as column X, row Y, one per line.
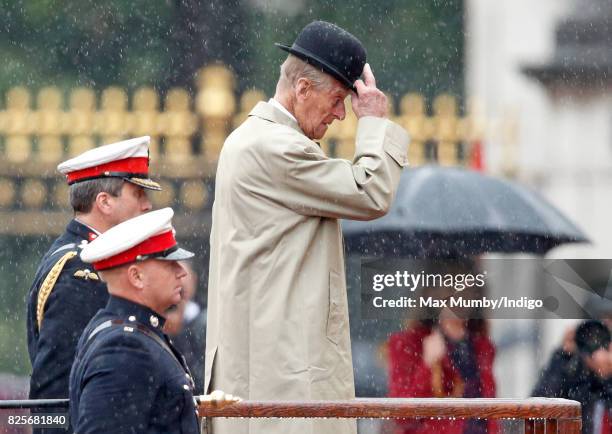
column 106, row 187
column 277, row 308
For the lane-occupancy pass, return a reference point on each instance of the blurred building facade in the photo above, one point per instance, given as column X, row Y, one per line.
column 546, row 66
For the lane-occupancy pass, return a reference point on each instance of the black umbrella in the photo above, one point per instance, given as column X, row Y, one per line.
column 449, row 212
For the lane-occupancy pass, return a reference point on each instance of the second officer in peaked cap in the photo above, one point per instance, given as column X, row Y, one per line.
column 127, row 376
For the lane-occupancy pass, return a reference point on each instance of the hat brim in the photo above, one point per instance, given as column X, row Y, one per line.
column 318, row 62
column 149, row 184
column 177, row 255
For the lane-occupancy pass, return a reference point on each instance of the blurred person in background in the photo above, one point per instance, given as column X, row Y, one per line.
column 581, row 370
column 446, row 358
column 186, row 325
column 447, row 354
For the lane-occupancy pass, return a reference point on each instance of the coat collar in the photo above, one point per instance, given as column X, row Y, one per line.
column 267, row 111
column 134, row 312
column 81, row 230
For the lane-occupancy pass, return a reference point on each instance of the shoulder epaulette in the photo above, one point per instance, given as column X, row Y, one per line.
column 49, row 283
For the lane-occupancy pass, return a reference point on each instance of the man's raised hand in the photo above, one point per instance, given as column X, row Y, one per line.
column 368, row 101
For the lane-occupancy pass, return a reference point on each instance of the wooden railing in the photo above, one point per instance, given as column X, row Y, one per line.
column 540, row 415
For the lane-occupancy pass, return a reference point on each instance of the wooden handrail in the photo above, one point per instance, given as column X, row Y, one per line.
column 546, row 415
column 484, row 408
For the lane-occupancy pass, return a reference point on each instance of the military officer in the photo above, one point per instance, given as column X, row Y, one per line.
column 107, row 186
column 127, row 376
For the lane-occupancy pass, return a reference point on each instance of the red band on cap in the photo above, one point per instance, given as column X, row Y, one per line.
column 155, row 244
column 135, row 165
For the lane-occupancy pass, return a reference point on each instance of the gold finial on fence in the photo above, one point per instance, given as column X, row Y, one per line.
column 7, row 192
column 166, row 196
column 18, row 98
column 446, row 129
column 194, row 194
column 79, row 121
column 413, row 118
column 19, row 125
column 113, row 120
column 179, row 124
column 60, row 195
column 33, row 193
column 216, row 104
column 48, row 121
column 145, row 117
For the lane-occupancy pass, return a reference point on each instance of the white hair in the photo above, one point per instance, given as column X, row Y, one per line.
column 295, row 68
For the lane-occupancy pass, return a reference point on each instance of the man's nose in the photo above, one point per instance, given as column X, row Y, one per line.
column 181, row 272
column 146, row 204
column 340, row 111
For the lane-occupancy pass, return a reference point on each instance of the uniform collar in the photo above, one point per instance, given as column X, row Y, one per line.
column 272, row 113
column 81, row 230
column 137, row 313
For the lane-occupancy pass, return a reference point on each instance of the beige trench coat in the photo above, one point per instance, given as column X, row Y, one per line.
column 277, row 305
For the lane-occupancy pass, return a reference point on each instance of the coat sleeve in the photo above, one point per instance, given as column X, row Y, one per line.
column 312, row 184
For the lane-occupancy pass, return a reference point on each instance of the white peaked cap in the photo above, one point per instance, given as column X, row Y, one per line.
column 128, row 159
column 147, row 236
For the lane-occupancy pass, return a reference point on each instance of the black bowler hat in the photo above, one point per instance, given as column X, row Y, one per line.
column 332, row 49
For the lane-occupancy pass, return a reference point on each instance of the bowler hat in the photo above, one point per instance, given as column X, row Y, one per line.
column 332, row 49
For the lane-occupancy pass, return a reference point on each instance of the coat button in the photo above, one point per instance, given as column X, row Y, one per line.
column 154, row 321
column 131, row 318
column 186, row 387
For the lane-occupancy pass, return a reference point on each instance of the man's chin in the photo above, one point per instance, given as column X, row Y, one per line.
column 318, row 135
column 176, row 299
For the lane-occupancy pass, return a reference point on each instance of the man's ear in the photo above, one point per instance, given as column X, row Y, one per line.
column 303, row 88
column 135, row 276
column 101, row 275
column 104, row 202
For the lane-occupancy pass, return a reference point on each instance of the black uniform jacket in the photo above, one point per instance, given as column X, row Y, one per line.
column 128, row 377
column 73, row 298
